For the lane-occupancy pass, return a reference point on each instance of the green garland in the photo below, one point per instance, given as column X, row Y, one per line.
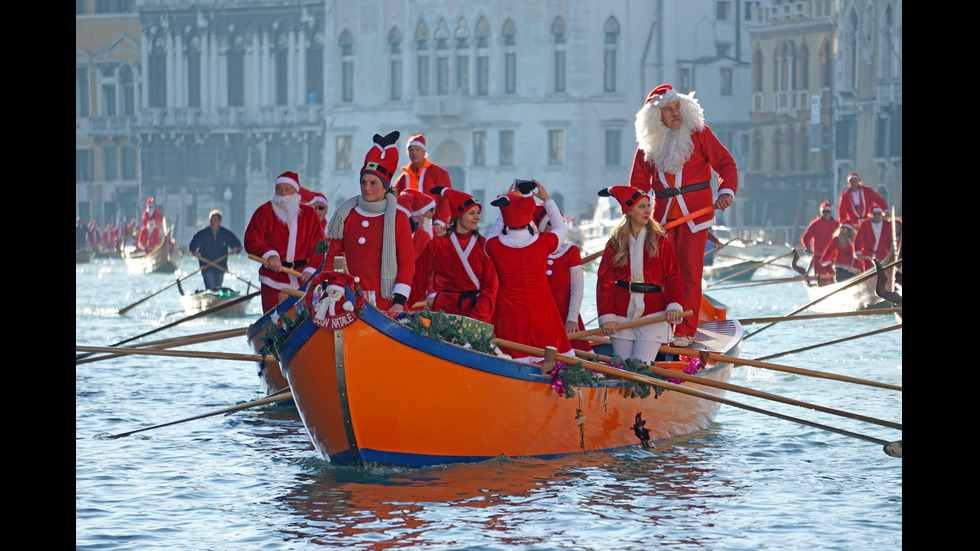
column 567, row 376
column 459, row 330
column 276, row 333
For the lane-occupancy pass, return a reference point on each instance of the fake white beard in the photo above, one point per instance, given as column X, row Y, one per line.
column 671, row 148
column 286, row 207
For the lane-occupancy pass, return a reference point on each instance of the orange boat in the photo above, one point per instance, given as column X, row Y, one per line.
column 270, row 374
column 370, row 389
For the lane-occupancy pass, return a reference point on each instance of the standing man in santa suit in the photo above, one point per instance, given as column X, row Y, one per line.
column 284, row 232
column 422, row 174
column 373, row 234
column 858, row 200
column 153, row 215
column 676, row 154
column 874, row 238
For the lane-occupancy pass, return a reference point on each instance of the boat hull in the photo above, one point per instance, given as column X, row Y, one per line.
column 847, row 296
column 740, row 271
column 270, row 374
column 206, row 300
column 376, row 391
column 162, row 260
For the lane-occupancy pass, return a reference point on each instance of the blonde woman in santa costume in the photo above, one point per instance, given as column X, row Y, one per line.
column 638, row 277
column 566, row 278
column 373, row 234
column 454, row 274
column 525, row 310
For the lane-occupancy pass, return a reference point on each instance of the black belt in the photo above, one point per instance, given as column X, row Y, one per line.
column 467, row 295
column 296, row 264
column 639, row 287
column 672, row 191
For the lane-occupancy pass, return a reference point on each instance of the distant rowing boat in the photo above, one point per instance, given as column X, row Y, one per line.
column 165, row 258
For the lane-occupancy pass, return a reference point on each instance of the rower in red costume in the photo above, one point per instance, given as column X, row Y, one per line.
column 419, row 207
column 566, row 278
column 284, row 231
column 318, row 202
column 373, row 235
column 675, row 158
column 839, row 254
column 639, row 277
column 454, row 274
column 857, row 201
column 818, row 235
column 422, row 174
column 874, row 238
column 526, row 311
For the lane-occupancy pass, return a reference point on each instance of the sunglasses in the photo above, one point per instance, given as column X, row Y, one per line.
column 320, row 207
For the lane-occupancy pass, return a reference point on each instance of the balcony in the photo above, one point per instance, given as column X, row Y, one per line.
column 890, row 92
column 111, row 127
column 230, row 118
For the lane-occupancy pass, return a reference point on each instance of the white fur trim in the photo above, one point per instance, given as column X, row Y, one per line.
column 416, row 142
column 290, row 181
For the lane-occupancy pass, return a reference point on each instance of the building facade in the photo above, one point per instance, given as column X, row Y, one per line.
column 107, row 83
column 869, row 97
column 230, row 94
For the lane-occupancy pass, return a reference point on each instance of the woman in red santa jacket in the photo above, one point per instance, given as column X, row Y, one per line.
column 566, row 277
column 525, row 310
column 373, row 234
column 840, row 254
column 454, row 274
column 638, row 277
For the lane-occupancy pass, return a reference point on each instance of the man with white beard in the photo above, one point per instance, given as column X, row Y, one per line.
column 675, row 156
column 284, row 232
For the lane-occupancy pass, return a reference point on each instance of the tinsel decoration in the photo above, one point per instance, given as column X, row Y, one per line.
column 459, row 330
column 565, row 376
column 693, row 366
column 276, row 334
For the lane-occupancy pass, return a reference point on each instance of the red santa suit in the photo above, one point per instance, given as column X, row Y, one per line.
column 857, row 204
column 526, row 311
column 152, row 213
column 415, row 204
column 456, row 273
column 816, row 237
column 674, row 198
column 617, row 301
column 566, row 278
column 375, row 237
column 267, row 235
column 839, row 256
column 428, row 176
column 149, row 237
column 873, row 240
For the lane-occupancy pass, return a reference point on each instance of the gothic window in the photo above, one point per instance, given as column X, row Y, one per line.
column 346, row 66
column 610, row 46
column 422, row 59
column 558, row 29
column 482, row 57
column 510, row 56
column 395, row 64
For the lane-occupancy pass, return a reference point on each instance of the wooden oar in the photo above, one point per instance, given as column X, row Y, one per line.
column 280, row 396
column 722, row 246
column 736, row 274
column 146, row 298
column 691, row 216
column 626, row 325
column 776, row 367
column 837, row 341
column 265, row 263
column 176, row 353
column 776, row 319
column 591, row 257
column 170, row 343
column 850, row 283
column 623, row 374
column 203, row 313
column 213, row 264
column 772, row 281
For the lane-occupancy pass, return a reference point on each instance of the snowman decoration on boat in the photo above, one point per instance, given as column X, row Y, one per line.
column 331, row 309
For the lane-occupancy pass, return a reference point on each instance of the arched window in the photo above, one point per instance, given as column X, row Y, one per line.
column 757, row 71
column 777, row 151
column 482, row 57
column 803, row 69
column 462, row 36
column 757, row 150
column 395, row 64
column 804, row 150
column 510, row 56
column 558, row 29
column 422, row 59
column 849, row 51
column 610, row 47
column 347, row 66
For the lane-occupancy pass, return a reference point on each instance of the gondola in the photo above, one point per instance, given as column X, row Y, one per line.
column 199, row 301
column 164, row 258
column 372, row 389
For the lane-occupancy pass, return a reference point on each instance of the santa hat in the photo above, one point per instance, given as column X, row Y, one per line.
column 382, row 159
column 826, row 206
column 662, row 95
column 853, row 175
column 628, row 196
column 877, row 210
column 418, row 140
column 459, row 201
column 288, row 178
column 149, row 200
column 517, row 207
column 317, row 198
column 414, row 202
column 847, row 223
column 541, row 218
